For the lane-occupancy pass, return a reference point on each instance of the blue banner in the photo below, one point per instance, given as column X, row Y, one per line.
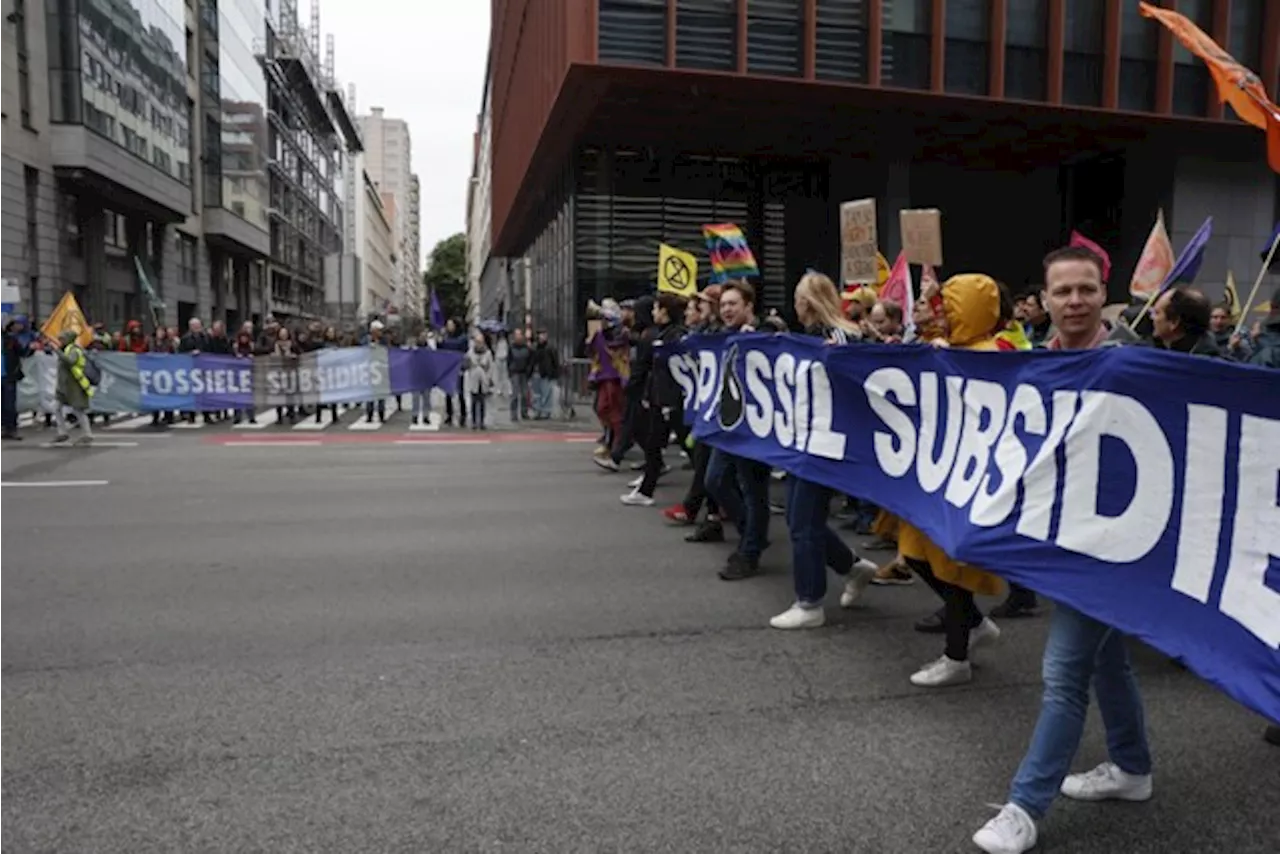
column 150, row 382
column 1138, row 486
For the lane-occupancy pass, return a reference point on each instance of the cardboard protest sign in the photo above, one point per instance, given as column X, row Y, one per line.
column 858, row 254
column 922, row 236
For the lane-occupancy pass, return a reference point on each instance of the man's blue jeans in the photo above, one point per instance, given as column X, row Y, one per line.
column 1080, row 651
column 814, row 546
column 543, row 391
column 519, row 396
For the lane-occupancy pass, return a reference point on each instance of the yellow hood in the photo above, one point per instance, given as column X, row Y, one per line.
column 972, row 305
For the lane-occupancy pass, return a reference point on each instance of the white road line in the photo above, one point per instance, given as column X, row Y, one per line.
column 444, row 442
column 131, row 423
column 581, row 441
column 198, row 424
column 310, row 423
column 34, row 483
column 95, row 444
column 264, row 419
column 266, row 443
column 425, row 427
column 362, row 423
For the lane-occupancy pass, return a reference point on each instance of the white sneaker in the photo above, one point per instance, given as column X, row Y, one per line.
column 941, row 673
column 796, row 617
column 1107, row 783
column 634, row 483
column 635, row 498
column 1012, row 831
column 859, row 577
column 605, row 463
column 986, row 634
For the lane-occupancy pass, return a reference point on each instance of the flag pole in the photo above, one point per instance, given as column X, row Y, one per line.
column 1257, row 283
column 1133, row 324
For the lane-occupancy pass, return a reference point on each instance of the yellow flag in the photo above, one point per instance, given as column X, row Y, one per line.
column 882, row 270
column 677, row 271
column 68, row 316
column 1231, row 297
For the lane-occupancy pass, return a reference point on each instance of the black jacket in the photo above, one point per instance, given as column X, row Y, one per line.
column 545, row 362
column 660, row 388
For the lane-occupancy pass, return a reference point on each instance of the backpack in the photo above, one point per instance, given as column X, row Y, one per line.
column 92, row 372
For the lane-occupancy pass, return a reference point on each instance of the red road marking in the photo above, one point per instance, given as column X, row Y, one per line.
column 391, row 437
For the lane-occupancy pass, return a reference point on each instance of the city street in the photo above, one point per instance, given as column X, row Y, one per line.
column 442, row 646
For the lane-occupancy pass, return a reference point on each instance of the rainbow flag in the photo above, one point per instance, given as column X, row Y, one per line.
column 731, row 257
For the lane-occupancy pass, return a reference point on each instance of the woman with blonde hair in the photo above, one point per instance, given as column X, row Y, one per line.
column 814, row 546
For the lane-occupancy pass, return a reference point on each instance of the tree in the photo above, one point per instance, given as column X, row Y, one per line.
column 446, row 275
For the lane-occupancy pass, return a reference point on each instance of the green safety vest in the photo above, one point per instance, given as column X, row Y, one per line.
column 77, row 368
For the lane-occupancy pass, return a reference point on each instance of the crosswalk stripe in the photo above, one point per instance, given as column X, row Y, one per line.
column 198, row 424
column 363, row 423
column 310, row 423
column 264, row 420
column 131, row 423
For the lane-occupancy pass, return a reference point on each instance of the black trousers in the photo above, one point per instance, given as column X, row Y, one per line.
column 697, row 494
column 654, row 433
column 960, row 614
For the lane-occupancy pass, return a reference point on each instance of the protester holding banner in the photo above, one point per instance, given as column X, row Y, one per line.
column 740, row 485
column 1266, row 343
column 659, row 398
column 967, row 313
column 1180, row 322
column 455, row 340
column 814, row 546
column 711, row 529
column 1080, row 650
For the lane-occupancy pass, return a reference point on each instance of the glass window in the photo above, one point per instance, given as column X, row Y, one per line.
column 244, row 189
column 905, row 59
column 707, row 34
column 132, row 76
column 841, row 49
column 775, row 29
column 1026, row 58
column 633, row 31
column 1082, row 52
column 968, row 46
column 1190, row 75
column 1139, row 47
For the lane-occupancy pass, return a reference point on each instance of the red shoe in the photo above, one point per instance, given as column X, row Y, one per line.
column 677, row 515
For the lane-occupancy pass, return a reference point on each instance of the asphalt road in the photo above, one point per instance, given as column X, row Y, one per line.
column 443, row 647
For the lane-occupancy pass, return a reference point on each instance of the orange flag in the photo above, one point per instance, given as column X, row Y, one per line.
column 1155, row 262
column 1237, row 85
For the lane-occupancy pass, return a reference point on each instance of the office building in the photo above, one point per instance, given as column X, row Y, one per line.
column 169, row 159
column 388, row 160
column 620, row 123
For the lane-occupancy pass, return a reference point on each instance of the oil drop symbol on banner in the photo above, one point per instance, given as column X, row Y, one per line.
column 732, row 409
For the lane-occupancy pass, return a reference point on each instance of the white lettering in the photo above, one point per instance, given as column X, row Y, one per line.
column 1201, row 522
column 1041, row 478
column 984, row 413
column 824, row 441
column 759, row 401
column 1133, row 533
column 1255, row 537
column 993, row 508
column 932, row 471
column 895, row 451
column 784, row 420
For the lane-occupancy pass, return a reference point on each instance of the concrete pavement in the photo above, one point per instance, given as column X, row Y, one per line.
column 445, row 647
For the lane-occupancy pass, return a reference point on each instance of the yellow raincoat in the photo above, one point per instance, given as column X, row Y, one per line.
column 971, row 302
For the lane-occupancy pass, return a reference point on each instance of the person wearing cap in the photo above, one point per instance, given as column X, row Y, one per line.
column 376, row 340
column 74, row 391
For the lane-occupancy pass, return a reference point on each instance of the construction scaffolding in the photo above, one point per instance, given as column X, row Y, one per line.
column 308, row 130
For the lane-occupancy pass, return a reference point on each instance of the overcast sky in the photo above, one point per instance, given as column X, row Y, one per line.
column 423, row 62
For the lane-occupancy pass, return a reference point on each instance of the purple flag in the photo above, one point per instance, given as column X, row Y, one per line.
column 1266, row 247
column 1190, row 258
column 437, row 313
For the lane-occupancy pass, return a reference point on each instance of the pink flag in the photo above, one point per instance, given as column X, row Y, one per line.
column 1078, row 239
column 897, row 288
column 1155, row 262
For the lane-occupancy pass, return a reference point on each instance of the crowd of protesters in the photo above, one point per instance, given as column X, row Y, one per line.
column 530, row 370
column 638, row 403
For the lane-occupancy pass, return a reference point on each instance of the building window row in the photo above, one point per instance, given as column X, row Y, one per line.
column 706, row 36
